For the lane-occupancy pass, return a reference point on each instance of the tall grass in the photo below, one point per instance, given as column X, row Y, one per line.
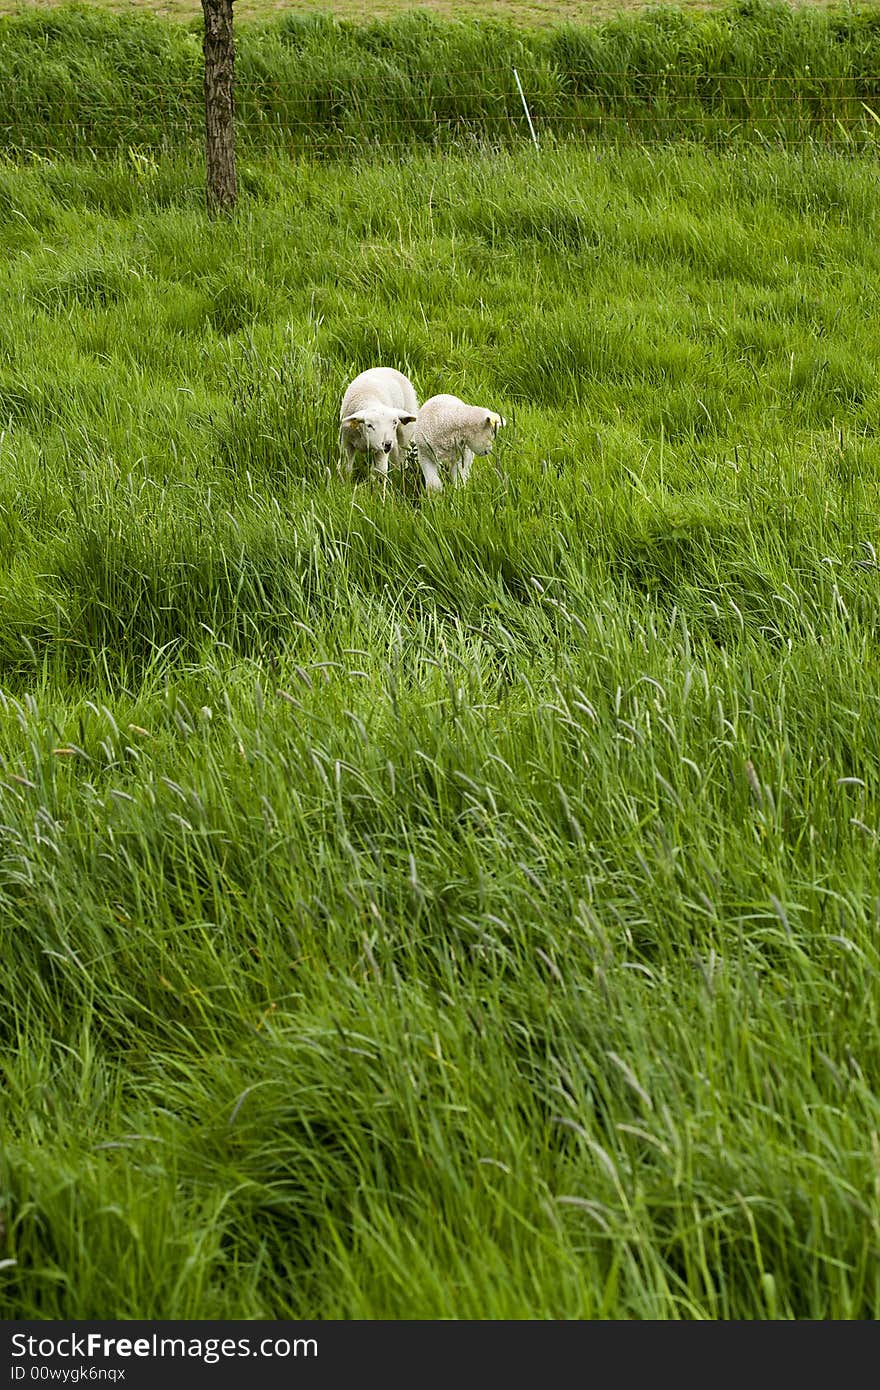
column 76, row 79
column 452, row 909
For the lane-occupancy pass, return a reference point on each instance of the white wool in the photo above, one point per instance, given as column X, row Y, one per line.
column 377, row 418
column 383, row 385
column 450, row 432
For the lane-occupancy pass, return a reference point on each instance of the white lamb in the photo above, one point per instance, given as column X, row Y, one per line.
column 450, row 432
column 377, row 418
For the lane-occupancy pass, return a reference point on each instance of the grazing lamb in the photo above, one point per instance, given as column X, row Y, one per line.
column 378, row 414
column 448, row 431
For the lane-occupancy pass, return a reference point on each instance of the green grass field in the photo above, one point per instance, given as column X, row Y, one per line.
column 84, row 83
column 450, row 909
column 524, row 12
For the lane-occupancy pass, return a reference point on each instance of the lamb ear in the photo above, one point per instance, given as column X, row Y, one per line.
column 408, row 419
column 352, row 421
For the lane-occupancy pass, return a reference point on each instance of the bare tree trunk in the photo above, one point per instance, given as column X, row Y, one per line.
column 219, row 50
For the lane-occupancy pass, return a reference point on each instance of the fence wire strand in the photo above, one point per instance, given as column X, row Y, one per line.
column 795, row 108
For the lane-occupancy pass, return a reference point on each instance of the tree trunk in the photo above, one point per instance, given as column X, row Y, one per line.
column 219, row 50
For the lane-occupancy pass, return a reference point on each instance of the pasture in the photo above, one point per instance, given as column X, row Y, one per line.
column 462, row 907
column 527, row 13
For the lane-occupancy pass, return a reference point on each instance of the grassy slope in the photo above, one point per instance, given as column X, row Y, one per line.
column 86, row 82
column 461, row 910
column 526, row 12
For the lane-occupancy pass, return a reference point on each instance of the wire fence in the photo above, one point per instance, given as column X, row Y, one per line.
column 335, row 120
column 80, row 81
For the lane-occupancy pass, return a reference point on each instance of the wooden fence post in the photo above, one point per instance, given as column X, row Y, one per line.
column 219, row 49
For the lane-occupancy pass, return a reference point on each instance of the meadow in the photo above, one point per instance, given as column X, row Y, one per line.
column 526, row 13
column 80, row 82
column 451, row 908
